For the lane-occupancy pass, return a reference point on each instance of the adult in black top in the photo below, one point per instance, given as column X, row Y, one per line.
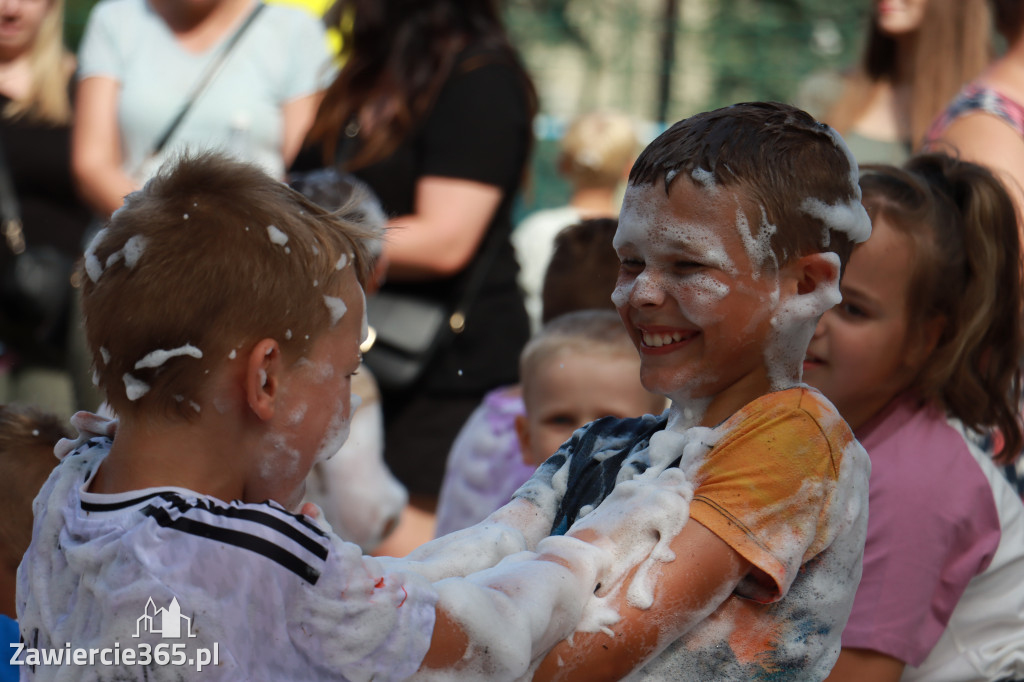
column 433, row 110
column 35, row 114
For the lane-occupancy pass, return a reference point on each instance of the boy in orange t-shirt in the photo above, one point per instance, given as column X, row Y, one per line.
column 738, row 517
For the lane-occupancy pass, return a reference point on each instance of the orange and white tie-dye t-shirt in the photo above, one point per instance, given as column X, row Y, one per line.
column 784, row 483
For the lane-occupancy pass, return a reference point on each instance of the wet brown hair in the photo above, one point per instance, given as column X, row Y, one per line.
column 214, row 254
column 27, row 438
column 592, row 331
column 966, row 272
column 777, row 156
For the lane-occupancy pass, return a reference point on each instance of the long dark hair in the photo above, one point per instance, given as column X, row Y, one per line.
column 397, row 54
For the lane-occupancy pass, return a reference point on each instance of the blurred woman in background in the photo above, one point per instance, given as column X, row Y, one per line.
column 918, row 55
column 44, row 222
column 433, row 110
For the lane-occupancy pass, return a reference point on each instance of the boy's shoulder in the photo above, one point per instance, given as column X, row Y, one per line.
column 170, row 517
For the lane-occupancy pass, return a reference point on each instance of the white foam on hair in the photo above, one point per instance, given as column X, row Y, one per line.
column 93, row 266
column 758, row 246
column 105, row 354
column 845, row 216
column 233, row 354
column 850, row 216
column 113, row 258
column 133, row 387
column 705, row 178
column 288, row 334
column 159, row 357
column 133, row 250
column 277, row 236
column 342, row 262
column 337, row 308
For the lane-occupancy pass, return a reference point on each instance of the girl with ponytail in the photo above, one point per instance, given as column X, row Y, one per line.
column 922, row 357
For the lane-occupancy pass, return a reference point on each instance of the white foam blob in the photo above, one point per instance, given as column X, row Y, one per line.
column 133, row 387
column 159, row 357
column 276, row 236
column 337, row 308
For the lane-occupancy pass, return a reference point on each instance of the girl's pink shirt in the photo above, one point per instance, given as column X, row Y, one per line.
column 932, row 526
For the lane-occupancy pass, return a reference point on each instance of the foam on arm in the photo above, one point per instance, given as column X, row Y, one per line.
column 497, row 623
column 516, row 527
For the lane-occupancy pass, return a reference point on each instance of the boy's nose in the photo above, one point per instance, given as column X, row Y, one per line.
column 646, row 291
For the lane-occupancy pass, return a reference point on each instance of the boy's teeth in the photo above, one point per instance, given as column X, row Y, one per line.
column 657, row 340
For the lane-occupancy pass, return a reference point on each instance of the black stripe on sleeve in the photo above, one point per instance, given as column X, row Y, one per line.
column 236, row 538
column 265, row 518
column 114, row 506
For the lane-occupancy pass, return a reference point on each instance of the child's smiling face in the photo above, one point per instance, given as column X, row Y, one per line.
column 315, row 405
column 697, row 307
column 863, row 354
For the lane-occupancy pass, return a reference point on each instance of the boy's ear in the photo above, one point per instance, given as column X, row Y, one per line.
column 816, row 270
column 523, row 432
column 263, row 377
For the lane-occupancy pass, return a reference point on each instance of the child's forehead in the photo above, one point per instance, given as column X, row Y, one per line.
column 693, row 220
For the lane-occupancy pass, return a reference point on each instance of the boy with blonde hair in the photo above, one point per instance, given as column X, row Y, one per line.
column 225, row 311
column 580, row 367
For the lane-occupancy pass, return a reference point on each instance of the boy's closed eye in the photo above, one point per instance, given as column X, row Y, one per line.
column 631, row 265
column 687, row 265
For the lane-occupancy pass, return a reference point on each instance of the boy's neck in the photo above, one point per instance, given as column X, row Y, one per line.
column 197, row 455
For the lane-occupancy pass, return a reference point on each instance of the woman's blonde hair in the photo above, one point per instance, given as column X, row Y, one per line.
column 953, row 46
column 50, row 64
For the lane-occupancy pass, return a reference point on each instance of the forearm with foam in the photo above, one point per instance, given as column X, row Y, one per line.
column 511, row 529
column 517, row 611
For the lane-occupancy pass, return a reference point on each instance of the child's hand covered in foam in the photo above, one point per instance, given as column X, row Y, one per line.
column 635, row 524
column 88, row 425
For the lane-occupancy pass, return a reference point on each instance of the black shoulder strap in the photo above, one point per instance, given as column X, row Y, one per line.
column 10, row 209
column 208, row 75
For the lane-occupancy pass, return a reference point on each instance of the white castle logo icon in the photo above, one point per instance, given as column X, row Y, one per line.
column 164, row 622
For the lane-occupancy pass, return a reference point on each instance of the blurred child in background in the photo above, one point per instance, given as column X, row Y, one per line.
column 579, row 367
column 486, row 465
column 27, row 438
column 596, row 153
